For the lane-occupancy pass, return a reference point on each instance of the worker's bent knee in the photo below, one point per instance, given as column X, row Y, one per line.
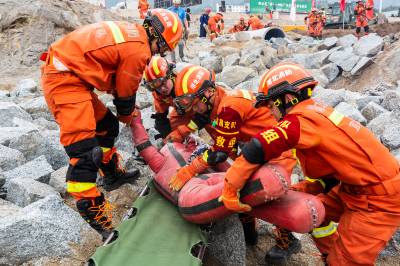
column 110, row 125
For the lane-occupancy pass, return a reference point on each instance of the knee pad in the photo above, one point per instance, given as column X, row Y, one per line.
column 110, row 125
column 366, row 29
column 253, row 152
column 358, row 29
column 88, row 157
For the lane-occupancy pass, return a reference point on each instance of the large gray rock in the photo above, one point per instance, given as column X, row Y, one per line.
column 347, row 40
column 248, row 58
column 24, row 191
column 391, row 137
column 330, row 97
column 382, row 121
column 226, row 50
column 251, row 85
column 19, row 127
column 233, row 75
column 58, row 181
column 331, row 71
column 9, row 111
column 29, row 144
column 53, row 150
column 322, row 57
column 391, row 100
column 339, row 55
column 347, row 64
column 368, row 45
column 45, row 124
column 372, row 110
column 8, row 208
column 227, row 242
column 38, row 169
column 362, row 64
column 328, row 43
column 319, row 76
column 232, row 59
column 25, row 87
column 37, row 107
column 212, row 62
column 10, row 158
column 307, row 60
column 365, row 99
column 46, row 227
column 351, row 111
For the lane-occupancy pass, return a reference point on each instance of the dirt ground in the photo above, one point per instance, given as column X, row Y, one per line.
column 381, row 30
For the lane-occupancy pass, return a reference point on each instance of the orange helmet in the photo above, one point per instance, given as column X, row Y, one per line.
column 285, row 78
column 314, row 9
column 167, row 27
column 241, row 18
column 191, row 83
column 157, row 71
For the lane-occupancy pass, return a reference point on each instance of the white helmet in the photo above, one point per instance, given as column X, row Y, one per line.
column 176, row 2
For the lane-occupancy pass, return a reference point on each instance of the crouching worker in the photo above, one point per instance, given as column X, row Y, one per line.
column 232, row 119
column 365, row 203
column 110, row 56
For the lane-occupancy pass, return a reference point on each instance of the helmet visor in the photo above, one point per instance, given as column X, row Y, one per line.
column 184, row 102
column 154, row 84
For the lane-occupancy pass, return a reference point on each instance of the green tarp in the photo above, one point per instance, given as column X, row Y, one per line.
column 157, row 235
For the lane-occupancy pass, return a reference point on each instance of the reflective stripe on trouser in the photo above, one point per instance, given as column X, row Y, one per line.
column 360, row 234
column 324, row 231
column 81, row 190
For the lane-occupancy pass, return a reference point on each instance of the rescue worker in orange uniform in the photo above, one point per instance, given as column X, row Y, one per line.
column 369, row 6
column 143, row 7
column 111, row 57
column 241, row 26
column 254, row 23
column 361, row 18
column 366, row 201
column 216, row 25
column 159, row 78
column 232, row 120
column 315, row 23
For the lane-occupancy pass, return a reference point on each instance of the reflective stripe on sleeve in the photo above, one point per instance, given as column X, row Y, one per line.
column 116, row 32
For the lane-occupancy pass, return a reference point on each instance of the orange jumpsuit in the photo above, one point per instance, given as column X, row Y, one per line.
column 315, row 24
column 143, row 7
column 215, row 25
column 255, row 23
column 109, row 56
column 361, row 18
column 369, row 5
column 237, row 27
column 365, row 203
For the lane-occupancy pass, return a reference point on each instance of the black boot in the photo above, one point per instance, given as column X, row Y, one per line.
column 97, row 213
column 286, row 245
column 249, row 229
column 115, row 176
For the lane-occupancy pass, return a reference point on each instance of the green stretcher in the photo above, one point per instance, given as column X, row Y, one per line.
column 152, row 233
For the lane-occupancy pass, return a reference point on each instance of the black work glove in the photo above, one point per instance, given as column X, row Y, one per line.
column 162, row 124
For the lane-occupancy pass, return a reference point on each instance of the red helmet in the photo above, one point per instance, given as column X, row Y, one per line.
column 168, row 29
column 207, row 10
column 156, row 72
column 190, row 84
column 285, row 78
column 314, row 9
